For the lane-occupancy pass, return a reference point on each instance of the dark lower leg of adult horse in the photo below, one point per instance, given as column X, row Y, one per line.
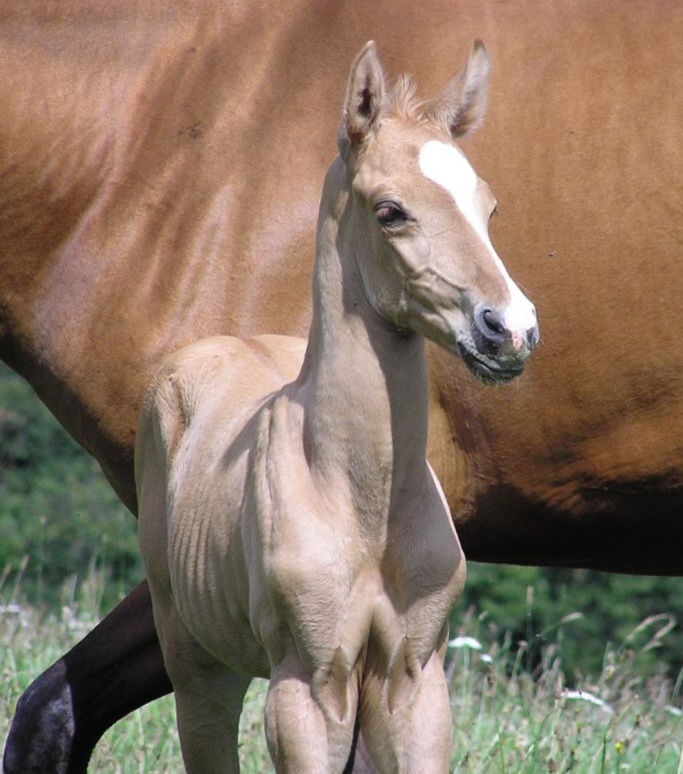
column 115, row 669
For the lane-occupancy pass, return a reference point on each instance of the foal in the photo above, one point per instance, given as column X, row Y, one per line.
column 290, row 524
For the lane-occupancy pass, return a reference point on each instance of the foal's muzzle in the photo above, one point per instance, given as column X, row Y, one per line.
column 499, row 352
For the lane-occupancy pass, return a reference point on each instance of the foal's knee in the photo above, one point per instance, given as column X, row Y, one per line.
column 306, row 731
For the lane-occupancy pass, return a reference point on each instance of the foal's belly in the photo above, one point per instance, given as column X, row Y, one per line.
column 211, row 589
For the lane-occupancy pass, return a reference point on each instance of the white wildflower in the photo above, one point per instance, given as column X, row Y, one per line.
column 465, row 642
column 589, row 697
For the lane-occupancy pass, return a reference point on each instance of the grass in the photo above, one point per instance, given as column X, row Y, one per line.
column 509, row 717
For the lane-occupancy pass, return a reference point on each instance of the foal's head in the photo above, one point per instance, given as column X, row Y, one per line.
column 422, row 213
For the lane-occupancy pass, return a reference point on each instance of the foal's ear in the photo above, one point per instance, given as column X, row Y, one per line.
column 460, row 106
column 364, row 96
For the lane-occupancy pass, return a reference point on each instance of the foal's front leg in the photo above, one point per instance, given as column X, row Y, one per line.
column 309, row 719
column 413, row 735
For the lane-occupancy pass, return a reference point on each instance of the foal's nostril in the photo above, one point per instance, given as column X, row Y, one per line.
column 491, row 325
column 533, row 336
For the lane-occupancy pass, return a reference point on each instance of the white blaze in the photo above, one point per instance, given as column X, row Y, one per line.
column 445, row 165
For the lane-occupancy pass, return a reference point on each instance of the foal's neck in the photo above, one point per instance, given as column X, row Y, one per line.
column 365, row 383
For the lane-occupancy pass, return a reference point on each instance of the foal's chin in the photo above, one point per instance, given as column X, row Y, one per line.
column 490, row 370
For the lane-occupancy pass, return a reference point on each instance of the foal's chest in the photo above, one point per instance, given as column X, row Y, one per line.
column 334, row 592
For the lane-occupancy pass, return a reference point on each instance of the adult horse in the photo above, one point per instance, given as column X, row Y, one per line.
column 153, row 191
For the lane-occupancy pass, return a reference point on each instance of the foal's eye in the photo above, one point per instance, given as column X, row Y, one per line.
column 390, row 215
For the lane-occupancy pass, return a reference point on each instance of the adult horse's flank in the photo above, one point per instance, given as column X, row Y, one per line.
column 297, row 532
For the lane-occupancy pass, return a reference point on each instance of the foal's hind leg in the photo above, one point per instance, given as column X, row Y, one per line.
column 208, row 706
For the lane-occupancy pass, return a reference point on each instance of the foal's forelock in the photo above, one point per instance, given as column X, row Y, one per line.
column 402, row 101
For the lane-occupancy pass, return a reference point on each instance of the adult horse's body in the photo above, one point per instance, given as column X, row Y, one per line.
column 290, row 524
column 145, row 202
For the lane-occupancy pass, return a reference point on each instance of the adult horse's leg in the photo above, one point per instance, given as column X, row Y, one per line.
column 115, row 669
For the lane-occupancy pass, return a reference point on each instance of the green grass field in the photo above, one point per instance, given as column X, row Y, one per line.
column 506, row 718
